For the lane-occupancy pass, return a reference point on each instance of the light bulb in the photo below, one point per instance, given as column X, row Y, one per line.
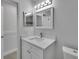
column 35, row 7
column 49, row 2
column 38, row 5
column 42, row 4
column 45, row 3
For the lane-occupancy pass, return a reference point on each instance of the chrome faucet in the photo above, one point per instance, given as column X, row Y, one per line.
column 41, row 35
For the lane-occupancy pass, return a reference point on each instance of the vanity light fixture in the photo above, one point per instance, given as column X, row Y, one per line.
column 43, row 4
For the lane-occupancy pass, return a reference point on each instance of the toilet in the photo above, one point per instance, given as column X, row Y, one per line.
column 70, row 53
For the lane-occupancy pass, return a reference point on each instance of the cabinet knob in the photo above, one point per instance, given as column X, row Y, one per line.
column 29, row 51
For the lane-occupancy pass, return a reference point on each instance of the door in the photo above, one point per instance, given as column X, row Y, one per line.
column 9, row 28
column 2, row 36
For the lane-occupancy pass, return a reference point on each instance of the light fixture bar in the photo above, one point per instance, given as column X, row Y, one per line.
column 44, row 8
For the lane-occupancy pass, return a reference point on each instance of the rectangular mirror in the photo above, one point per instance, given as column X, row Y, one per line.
column 44, row 18
column 28, row 20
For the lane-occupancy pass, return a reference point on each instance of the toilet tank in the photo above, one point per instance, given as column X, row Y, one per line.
column 70, row 53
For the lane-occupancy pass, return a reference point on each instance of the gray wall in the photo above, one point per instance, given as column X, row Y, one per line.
column 25, row 5
column 65, row 24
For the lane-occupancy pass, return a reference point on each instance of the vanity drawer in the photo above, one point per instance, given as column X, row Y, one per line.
column 25, row 44
column 34, row 49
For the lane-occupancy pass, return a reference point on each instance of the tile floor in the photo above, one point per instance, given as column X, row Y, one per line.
column 11, row 56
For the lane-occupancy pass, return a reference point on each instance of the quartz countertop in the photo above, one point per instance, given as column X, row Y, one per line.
column 40, row 42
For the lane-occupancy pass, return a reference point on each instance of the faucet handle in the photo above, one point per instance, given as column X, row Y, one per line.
column 41, row 34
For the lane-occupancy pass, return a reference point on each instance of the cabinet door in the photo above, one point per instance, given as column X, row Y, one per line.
column 25, row 53
column 35, row 56
column 26, row 50
column 37, row 53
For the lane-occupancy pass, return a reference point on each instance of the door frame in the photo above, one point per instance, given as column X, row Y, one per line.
column 2, row 43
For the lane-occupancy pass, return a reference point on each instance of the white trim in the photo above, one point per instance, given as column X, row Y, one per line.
column 10, row 32
column 2, row 44
column 10, row 52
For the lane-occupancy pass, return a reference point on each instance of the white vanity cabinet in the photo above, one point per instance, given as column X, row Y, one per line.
column 30, row 51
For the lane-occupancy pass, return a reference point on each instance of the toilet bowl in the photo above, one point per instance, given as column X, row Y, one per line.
column 70, row 53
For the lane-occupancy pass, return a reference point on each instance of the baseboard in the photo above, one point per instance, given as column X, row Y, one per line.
column 10, row 52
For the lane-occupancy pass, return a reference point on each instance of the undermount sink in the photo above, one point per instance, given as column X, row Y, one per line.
column 37, row 38
column 40, row 42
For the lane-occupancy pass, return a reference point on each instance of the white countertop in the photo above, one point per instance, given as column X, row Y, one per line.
column 42, row 43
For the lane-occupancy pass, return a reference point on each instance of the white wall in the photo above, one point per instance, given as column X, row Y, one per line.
column 65, row 24
column 10, row 27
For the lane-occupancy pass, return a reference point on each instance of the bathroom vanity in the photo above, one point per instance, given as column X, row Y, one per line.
column 35, row 47
column 38, row 48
